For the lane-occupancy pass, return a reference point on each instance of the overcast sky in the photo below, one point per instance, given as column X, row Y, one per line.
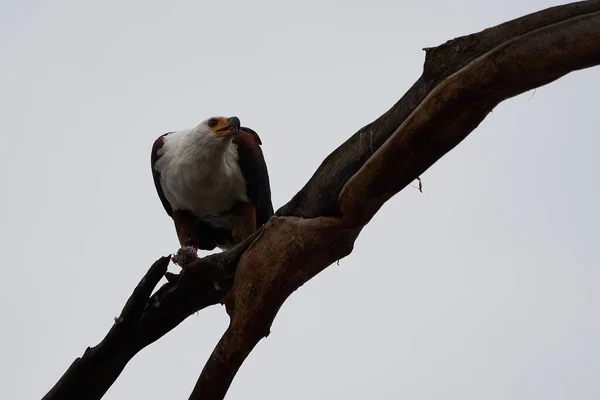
column 483, row 287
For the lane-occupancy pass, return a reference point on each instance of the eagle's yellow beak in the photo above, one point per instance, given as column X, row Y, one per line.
column 230, row 128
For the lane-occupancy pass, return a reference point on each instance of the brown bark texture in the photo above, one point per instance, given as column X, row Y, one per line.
column 462, row 81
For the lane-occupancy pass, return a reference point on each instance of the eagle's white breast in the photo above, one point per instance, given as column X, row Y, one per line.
column 200, row 173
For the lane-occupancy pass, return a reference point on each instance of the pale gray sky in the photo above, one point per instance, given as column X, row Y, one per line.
column 484, row 286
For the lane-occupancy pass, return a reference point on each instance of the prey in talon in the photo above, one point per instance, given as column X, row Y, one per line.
column 185, row 255
column 212, row 180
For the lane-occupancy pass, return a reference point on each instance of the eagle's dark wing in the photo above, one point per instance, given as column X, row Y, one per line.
column 254, row 169
column 158, row 143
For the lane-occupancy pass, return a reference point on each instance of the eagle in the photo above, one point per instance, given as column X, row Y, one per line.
column 212, row 180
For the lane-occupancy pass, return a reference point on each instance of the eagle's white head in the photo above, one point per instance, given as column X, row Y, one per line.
column 218, row 128
column 211, row 138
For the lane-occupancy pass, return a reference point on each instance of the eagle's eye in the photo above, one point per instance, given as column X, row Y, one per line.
column 212, row 123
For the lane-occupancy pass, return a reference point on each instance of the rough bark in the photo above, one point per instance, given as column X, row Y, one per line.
column 462, row 81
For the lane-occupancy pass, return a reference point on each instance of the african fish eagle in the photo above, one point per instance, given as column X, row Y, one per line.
column 213, row 182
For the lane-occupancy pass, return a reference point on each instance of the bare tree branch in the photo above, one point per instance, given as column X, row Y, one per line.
column 320, row 195
column 100, row 366
column 462, row 81
column 459, row 103
column 145, row 319
column 266, row 275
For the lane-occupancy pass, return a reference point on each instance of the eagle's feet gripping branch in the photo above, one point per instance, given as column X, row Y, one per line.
column 185, row 256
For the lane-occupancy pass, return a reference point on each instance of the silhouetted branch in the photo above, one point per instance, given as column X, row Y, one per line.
column 462, row 81
column 100, row 366
column 146, row 318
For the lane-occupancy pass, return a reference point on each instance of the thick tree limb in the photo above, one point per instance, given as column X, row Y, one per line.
column 462, row 81
column 319, row 196
column 262, row 285
column 460, row 102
